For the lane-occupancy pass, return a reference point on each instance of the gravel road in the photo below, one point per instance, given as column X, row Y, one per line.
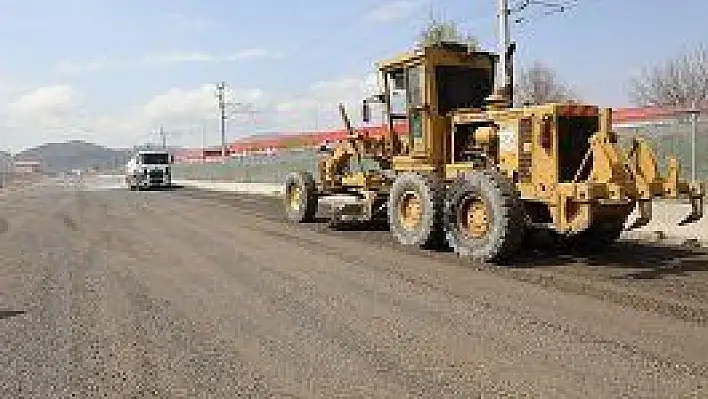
column 185, row 294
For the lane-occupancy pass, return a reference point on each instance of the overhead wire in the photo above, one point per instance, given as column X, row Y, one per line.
column 339, row 24
column 547, row 8
column 348, row 22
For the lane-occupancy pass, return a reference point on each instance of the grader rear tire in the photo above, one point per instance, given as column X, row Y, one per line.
column 484, row 217
column 300, row 197
column 415, row 206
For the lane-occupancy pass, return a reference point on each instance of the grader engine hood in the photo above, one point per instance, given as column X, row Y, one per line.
column 568, row 156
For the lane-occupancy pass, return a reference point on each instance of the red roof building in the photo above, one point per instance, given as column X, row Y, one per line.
column 622, row 117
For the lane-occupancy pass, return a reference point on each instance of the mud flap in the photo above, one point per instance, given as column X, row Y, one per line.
column 696, row 211
column 644, row 218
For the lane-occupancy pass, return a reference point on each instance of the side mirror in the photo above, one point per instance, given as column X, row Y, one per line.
column 365, row 112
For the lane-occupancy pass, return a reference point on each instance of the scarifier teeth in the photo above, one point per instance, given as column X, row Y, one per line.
column 696, row 211
column 644, row 215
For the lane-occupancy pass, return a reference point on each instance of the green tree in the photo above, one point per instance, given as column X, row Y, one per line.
column 436, row 32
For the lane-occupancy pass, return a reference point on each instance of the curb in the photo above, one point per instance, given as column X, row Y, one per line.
column 226, row 186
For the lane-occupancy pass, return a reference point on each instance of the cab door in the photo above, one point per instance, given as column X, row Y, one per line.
column 405, row 88
column 416, row 111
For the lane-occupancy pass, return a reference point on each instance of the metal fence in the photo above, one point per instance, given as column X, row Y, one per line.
column 674, row 139
column 667, row 139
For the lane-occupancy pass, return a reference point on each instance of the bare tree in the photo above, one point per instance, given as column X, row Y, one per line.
column 538, row 84
column 676, row 82
column 436, row 32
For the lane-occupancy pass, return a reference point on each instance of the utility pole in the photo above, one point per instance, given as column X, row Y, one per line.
column 503, row 91
column 222, row 111
column 504, row 39
column 204, row 129
column 163, row 136
column 694, row 131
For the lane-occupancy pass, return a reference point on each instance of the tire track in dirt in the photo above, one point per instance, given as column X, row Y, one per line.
column 153, row 345
column 319, row 246
column 689, row 306
column 220, row 233
column 276, row 340
column 100, row 363
column 35, row 358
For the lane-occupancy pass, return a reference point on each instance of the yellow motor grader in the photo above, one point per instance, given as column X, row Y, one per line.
column 479, row 174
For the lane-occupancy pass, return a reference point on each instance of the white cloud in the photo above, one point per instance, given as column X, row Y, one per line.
column 159, row 60
column 51, row 113
column 59, row 113
column 318, row 107
column 53, row 102
column 394, row 10
column 179, row 104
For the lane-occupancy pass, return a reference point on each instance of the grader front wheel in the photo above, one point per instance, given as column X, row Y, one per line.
column 484, row 219
column 415, row 210
column 300, row 197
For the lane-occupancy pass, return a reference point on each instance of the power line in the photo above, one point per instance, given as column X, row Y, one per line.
column 547, row 8
column 235, row 108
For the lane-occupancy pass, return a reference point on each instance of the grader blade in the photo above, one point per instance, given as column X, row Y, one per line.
column 696, row 211
column 645, row 211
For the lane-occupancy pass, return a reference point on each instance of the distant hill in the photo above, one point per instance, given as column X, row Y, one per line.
column 63, row 157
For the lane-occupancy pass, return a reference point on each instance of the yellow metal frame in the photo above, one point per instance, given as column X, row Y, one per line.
column 515, row 137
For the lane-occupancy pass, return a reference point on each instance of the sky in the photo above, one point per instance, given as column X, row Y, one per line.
column 113, row 72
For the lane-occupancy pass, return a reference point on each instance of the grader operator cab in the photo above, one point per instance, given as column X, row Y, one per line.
column 479, row 174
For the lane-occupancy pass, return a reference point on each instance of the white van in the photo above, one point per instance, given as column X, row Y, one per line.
column 149, row 169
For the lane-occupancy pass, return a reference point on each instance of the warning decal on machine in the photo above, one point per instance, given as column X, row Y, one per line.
column 507, row 140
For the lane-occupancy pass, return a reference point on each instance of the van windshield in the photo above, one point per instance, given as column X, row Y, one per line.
column 155, row 159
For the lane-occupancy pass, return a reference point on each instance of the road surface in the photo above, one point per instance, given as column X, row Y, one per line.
column 181, row 294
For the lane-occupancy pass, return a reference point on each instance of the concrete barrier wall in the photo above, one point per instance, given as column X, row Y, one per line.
column 251, row 169
column 673, row 139
column 670, row 139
